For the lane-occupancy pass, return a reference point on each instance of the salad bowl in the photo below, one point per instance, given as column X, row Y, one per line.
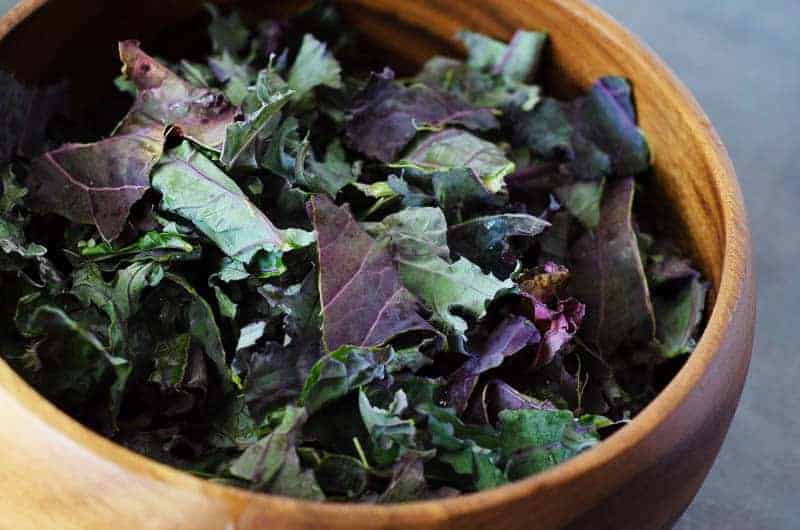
column 56, row 474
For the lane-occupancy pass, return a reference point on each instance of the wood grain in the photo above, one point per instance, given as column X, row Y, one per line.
column 55, row 474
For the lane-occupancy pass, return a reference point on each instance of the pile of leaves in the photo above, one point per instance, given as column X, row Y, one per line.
column 283, row 276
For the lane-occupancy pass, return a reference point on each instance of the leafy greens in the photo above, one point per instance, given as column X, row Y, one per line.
column 285, row 274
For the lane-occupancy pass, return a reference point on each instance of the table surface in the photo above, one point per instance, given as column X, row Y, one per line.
column 741, row 58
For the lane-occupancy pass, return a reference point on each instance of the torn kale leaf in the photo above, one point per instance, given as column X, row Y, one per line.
column 199, row 114
column 363, row 301
column 386, row 115
column 608, row 276
column 97, row 183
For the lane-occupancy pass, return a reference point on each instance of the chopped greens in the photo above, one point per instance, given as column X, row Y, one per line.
column 286, row 274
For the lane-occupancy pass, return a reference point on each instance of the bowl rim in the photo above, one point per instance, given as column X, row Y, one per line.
column 736, row 268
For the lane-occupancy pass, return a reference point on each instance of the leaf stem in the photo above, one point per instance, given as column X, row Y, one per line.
column 361, row 455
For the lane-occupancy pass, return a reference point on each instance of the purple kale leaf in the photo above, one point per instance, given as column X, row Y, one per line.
column 512, row 335
column 363, row 301
column 559, row 322
column 199, row 114
column 608, row 276
column 386, row 115
column 497, row 396
column 97, row 183
column 557, row 317
column 275, row 373
column 607, row 118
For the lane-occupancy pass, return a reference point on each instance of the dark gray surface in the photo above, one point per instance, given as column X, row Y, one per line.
column 741, row 58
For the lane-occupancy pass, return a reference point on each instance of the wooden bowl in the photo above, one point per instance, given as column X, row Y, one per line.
column 55, row 474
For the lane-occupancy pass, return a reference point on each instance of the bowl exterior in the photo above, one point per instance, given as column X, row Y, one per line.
column 56, row 474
